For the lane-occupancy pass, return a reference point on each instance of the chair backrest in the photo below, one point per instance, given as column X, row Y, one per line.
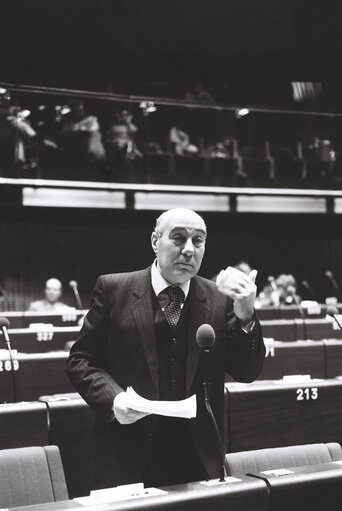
column 282, row 457
column 31, row 475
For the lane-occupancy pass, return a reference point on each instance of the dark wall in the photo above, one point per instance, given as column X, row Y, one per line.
column 78, row 244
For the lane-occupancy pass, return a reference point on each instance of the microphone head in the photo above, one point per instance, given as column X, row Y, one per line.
column 205, row 336
column 332, row 310
column 73, row 283
column 328, row 274
column 4, row 322
column 270, row 279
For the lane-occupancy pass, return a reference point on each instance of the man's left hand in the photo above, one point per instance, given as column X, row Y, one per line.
column 241, row 288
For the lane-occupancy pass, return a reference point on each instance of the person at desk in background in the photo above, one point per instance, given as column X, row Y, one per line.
column 141, row 332
column 279, row 291
column 50, row 303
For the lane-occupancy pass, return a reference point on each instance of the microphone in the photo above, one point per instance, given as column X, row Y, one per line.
column 74, row 286
column 272, row 283
column 333, row 312
column 292, row 291
column 275, row 295
column 331, row 277
column 307, row 286
column 205, row 338
column 4, row 325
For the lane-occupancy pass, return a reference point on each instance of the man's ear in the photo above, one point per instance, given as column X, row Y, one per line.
column 154, row 239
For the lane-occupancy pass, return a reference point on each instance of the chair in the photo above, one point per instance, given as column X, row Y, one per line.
column 31, row 475
column 241, row 463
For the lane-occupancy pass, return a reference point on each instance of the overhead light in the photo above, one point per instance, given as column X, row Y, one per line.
column 2, row 91
column 148, row 107
column 241, row 112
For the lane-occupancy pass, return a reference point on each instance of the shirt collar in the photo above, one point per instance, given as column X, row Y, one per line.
column 159, row 283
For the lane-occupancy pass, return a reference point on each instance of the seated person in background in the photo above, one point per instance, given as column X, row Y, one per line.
column 53, row 291
column 279, row 291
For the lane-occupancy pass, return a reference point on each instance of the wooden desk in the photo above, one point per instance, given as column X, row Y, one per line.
column 23, row 425
column 272, row 414
column 37, row 374
column 41, row 339
column 292, row 312
column 245, row 494
column 333, row 358
column 23, row 319
column 71, row 428
column 314, row 488
column 300, row 357
column 294, row 330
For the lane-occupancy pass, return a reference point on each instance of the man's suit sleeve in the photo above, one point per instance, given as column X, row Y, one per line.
column 87, row 364
column 245, row 352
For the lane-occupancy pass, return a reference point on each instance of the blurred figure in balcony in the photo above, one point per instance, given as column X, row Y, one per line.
column 81, row 136
column 321, row 156
column 180, row 142
column 121, row 140
column 17, row 137
column 199, row 94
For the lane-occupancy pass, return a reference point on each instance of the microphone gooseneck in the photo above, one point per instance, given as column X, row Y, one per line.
column 329, row 274
column 292, row 291
column 333, row 312
column 5, row 325
column 74, row 286
column 205, row 338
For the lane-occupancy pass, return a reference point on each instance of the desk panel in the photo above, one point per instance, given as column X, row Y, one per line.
column 23, row 319
column 333, row 358
column 295, row 329
column 71, row 428
column 273, row 414
column 43, row 339
column 314, row 488
column 23, row 425
column 300, row 357
column 246, row 494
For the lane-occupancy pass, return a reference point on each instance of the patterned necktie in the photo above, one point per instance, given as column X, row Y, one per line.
column 173, row 310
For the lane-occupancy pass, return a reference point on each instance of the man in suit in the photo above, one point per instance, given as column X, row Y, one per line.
column 141, row 332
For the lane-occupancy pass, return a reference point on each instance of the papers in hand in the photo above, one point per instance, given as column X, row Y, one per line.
column 185, row 408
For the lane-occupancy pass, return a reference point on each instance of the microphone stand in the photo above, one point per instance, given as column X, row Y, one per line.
column 8, row 344
column 302, row 315
column 223, row 470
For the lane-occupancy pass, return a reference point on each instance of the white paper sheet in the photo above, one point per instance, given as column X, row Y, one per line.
column 185, row 408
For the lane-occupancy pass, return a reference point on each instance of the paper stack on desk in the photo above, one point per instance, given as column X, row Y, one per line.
column 185, row 408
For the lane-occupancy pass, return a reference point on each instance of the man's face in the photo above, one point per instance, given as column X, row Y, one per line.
column 53, row 291
column 181, row 245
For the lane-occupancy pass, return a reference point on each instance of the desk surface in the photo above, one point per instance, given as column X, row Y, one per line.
column 244, row 494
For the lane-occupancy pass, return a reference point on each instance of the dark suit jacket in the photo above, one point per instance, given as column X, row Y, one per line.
column 116, row 348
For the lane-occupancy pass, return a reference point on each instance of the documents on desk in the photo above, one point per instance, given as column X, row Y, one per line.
column 184, row 408
column 125, row 492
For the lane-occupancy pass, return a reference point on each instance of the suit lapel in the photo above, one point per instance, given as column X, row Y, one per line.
column 199, row 312
column 142, row 311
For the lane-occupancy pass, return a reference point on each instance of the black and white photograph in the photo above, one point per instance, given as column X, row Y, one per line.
column 171, row 255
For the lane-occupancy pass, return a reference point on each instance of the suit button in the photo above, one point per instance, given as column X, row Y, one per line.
column 150, row 437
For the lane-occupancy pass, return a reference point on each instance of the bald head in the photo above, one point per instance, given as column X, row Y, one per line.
column 179, row 243
column 53, row 290
column 178, row 215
